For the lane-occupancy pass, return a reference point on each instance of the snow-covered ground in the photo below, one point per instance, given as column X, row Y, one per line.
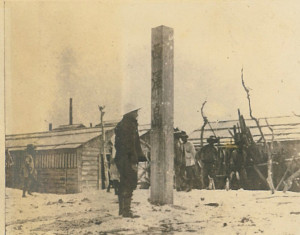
column 198, row 212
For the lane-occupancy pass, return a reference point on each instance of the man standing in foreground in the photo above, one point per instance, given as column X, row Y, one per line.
column 128, row 151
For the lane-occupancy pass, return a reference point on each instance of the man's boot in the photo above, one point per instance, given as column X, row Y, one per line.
column 121, row 205
column 127, row 211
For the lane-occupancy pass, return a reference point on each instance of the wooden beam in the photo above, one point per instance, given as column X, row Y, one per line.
column 282, row 178
column 288, row 183
column 261, row 175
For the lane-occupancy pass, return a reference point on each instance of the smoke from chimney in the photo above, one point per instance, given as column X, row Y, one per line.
column 71, row 113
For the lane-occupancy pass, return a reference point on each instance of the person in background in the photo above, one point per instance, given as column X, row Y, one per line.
column 208, row 157
column 189, row 155
column 27, row 174
column 179, row 161
column 128, row 151
column 114, row 176
column 238, row 174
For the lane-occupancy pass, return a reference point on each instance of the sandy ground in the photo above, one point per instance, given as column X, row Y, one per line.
column 197, row 212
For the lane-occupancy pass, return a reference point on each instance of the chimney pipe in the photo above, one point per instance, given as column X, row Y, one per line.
column 50, row 126
column 71, row 113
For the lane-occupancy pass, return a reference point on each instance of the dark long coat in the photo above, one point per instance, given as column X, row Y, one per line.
column 128, row 151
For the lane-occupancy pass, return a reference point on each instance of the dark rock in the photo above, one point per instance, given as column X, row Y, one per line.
column 212, row 204
column 245, row 219
column 295, row 213
column 85, row 199
column 97, row 222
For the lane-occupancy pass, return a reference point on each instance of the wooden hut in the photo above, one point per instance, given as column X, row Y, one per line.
column 284, row 134
column 67, row 159
column 286, row 131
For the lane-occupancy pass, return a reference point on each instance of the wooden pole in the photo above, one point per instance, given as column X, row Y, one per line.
column 104, row 165
column 162, row 108
column 71, row 113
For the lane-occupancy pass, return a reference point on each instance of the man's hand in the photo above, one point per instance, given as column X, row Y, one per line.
column 134, row 167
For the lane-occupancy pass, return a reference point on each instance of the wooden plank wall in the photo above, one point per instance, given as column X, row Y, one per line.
column 57, row 172
column 89, row 170
column 13, row 178
column 79, row 168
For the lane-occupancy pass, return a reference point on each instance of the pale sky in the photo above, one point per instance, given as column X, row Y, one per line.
column 100, row 53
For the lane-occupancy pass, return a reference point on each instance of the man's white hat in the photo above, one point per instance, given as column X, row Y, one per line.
column 129, row 107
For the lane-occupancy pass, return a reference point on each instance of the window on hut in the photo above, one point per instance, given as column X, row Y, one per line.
column 59, row 160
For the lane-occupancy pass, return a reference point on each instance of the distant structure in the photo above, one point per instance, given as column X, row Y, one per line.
column 67, row 158
column 286, row 130
column 282, row 133
column 162, row 109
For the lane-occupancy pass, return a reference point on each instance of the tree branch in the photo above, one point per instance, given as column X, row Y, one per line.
column 205, row 121
column 267, row 148
column 202, row 113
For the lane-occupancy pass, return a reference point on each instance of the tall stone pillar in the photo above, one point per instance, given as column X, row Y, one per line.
column 162, row 109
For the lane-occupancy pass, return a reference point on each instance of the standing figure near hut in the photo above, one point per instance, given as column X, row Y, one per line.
column 189, row 155
column 208, row 157
column 27, row 174
column 179, row 161
column 114, row 176
column 128, row 151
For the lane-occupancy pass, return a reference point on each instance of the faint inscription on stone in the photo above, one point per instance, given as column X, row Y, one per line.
column 157, row 51
column 156, row 121
column 156, row 81
column 157, row 84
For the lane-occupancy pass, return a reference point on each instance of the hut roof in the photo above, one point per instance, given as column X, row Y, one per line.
column 69, row 127
column 56, row 139
column 285, row 128
column 63, row 137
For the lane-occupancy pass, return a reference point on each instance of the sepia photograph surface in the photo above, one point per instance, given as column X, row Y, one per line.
column 150, row 117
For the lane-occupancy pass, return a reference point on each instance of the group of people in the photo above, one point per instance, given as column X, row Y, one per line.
column 187, row 163
column 193, row 169
column 211, row 166
column 124, row 163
